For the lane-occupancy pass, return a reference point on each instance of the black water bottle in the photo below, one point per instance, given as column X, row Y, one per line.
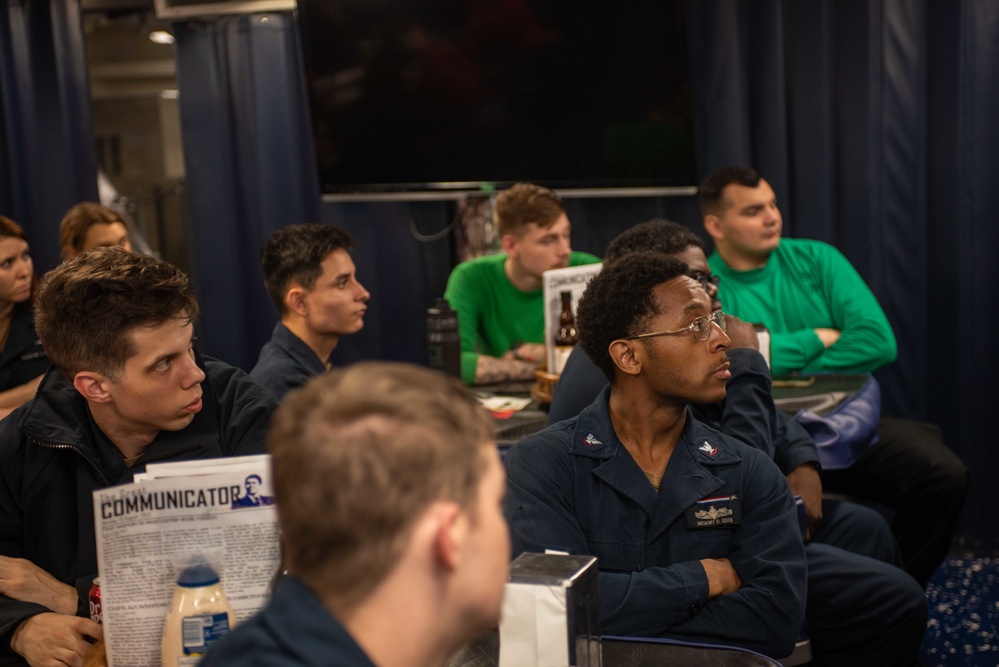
column 443, row 341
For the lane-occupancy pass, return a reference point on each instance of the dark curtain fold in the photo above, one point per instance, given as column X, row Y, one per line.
column 249, row 166
column 46, row 137
column 873, row 120
column 827, row 103
column 962, row 194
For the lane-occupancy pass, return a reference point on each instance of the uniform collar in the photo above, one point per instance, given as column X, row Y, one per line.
column 298, row 350
column 307, row 628
column 689, row 475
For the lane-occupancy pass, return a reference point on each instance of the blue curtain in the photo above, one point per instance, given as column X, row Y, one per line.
column 873, row 121
column 962, row 201
column 249, row 166
column 47, row 156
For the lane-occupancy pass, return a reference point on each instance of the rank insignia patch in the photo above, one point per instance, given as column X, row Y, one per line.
column 716, row 511
column 709, row 450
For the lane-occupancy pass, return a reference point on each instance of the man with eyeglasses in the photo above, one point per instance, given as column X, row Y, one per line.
column 859, row 602
column 695, row 533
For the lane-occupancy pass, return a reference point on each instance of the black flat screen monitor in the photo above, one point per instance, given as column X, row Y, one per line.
column 416, row 95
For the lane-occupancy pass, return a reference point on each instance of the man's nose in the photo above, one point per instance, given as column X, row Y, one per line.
column 194, row 373
column 718, row 339
column 362, row 294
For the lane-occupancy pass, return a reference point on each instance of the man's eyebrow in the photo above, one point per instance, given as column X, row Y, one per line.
column 693, row 307
column 160, row 358
column 172, row 355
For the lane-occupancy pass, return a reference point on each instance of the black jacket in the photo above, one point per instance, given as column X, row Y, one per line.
column 50, row 464
column 23, row 357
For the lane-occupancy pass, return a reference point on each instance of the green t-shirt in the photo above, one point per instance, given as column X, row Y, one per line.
column 807, row 285
column 492, row 313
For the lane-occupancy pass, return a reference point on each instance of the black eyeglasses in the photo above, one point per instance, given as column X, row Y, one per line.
column 700, row 327
column 705, row 278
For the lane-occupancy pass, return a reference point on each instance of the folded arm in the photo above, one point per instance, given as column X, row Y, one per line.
column 541, row 517
column 759, row 604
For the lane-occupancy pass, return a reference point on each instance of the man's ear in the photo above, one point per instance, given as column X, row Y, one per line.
column 450, row 530
column 509, row 244
column 624, row 355
column 294, row 299
column 712, row 225
column 92, row 386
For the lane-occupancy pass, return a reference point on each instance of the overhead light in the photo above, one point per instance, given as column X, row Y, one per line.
column 160, row 37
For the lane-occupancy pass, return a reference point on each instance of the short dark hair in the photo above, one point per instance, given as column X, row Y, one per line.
column 618, row 303
column 714, row 186
column 657, row 235
column 295, row 254
column 87, row 306
column 526, row 203
column 253, row 476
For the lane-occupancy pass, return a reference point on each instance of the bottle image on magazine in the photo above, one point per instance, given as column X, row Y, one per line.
column 566, row 336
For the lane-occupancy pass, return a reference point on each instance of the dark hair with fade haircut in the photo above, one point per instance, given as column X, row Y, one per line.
column 618, row 303
column 524, row 203
column 87, row 306
column 657, row 235
column 714, row 185
column 295, row 254
column 358, row 455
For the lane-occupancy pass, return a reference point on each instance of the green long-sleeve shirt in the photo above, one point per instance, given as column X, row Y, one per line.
column 492, row 313
column 807, row 285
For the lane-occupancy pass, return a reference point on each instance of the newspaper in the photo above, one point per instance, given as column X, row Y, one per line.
column 571, row 279
column 177, row 511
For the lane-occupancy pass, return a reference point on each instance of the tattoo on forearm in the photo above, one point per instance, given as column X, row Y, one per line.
column 491, row 369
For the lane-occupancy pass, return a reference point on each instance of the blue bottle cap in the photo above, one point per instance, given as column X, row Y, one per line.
column 195, row 576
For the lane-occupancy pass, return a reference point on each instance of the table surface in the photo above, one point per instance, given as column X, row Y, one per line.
column 823, row 394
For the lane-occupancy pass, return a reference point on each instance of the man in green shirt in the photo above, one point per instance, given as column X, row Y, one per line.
column 823, row 318
column 499, row 298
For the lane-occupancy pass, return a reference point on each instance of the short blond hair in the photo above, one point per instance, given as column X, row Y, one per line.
column 358, row 456
column 525, row 203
